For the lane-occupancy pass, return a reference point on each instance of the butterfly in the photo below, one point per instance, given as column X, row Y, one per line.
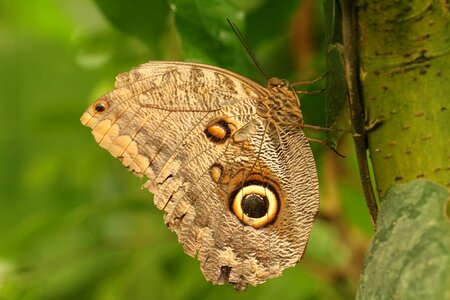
column 226, row 160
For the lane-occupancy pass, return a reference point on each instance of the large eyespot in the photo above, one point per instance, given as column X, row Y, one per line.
column 219, row 130
column 256, row 204
column 100, row 106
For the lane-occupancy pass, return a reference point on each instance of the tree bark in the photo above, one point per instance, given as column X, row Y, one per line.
column 404, row 55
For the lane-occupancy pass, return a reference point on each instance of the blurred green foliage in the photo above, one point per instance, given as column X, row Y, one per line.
column 74, row 224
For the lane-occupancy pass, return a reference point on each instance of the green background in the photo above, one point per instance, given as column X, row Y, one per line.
column 75, row 224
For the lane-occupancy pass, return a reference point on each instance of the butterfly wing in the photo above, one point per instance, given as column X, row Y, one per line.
column 196, row 133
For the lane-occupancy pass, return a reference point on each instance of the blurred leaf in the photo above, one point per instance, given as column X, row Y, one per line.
column 143, row 19
column 409, row 256
column 269, row 30
column 265, row 29
column 206, row 36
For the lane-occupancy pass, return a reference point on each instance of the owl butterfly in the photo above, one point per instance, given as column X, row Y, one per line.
column 226, row 159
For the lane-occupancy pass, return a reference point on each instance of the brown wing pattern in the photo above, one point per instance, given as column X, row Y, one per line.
column 195, row 132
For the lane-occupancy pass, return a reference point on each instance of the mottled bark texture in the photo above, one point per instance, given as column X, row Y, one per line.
column 404, row 56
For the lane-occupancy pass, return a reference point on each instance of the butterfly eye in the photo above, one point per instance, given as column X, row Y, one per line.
column 100, row 106
column 284, row 82
column 255, row 205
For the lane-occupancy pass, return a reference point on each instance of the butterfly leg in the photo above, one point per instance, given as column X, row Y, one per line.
column 310, row 81
column 310, row 92
column 326, row 144
column 321, row 128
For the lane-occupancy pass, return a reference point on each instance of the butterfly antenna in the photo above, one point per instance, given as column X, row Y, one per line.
column 247, row 48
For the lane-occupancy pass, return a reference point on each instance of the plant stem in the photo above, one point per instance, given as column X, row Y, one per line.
column 355, row 102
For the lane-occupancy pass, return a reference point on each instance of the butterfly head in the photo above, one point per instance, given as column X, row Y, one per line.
column 282, row 88
column 278, row 84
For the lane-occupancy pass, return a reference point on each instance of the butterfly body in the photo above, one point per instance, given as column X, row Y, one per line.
column 226, row 159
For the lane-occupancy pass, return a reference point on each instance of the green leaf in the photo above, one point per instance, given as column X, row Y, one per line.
column 409, row 257
column 336, row 88
column 336, row 91
column 333, row 22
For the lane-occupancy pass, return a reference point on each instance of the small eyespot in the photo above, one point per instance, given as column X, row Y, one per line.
column 256, row 204
column 100, row 106
column 218, row 131
column 216, row 172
